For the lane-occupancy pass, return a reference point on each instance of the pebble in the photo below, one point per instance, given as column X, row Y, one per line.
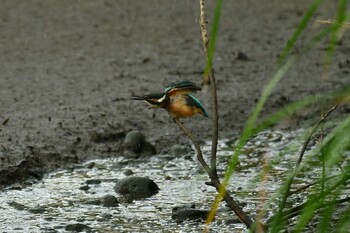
column 182, row 213
column 135, row 145
column 110, row 201
column 78, row 227
column 136, row 187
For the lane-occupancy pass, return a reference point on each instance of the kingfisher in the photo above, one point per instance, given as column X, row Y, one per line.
column 176, row 100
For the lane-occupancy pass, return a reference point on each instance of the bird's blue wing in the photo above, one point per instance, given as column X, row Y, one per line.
column 182, row 87
column 193, row 101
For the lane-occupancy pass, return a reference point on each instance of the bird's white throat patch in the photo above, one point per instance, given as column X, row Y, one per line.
column 161, row 99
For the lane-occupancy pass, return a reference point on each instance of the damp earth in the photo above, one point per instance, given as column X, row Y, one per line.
column 68, row 69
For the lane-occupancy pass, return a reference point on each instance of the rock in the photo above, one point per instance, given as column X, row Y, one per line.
column 148, row 150
column 84, row 187
column 93, row 181
column 242, row 56
column 128, row 172
column 136, row 187
column 135, row 145
column 110, row 201
column 91, row 165
column 78, row 227
column 134, row 141
column 182, row 213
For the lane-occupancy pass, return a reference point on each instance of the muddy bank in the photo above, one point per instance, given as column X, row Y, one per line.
column 68, row 69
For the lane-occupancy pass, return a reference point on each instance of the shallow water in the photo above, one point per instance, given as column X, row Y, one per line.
column 56, row 201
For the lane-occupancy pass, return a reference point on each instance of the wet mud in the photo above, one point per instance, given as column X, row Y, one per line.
column 68, row 69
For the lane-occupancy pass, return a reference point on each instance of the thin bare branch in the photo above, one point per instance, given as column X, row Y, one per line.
column 203, row 24
column 213, row 177
column 215, row 136
column 195, row 143
column 210, row 76
column 232, row 204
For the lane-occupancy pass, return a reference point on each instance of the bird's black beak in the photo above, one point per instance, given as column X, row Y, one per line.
column 134, row 97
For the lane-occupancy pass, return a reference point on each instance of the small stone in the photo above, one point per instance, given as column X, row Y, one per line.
column 183, row 213
column 135, row 146
column 136, row 187
column 110, row 201
column 91, row 165
column 148, row 150
column 128, row 172
column 134, row 141
column 93, row 181
column 78, row 227
column 242, row 56
column 84, row 187
column 188, row 157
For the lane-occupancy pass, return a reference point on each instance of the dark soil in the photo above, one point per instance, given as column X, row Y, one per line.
column 68, row 69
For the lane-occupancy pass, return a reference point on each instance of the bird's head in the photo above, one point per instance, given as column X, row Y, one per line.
column 156, row 100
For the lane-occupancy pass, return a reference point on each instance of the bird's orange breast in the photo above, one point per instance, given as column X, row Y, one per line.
column 179, row 109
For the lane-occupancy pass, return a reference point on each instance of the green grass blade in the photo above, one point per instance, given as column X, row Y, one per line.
column 213, row 36
column 293, row 107
column 300, row 28
column 343, row 224
column 336, row 143
column 315, row 201
column 326, row 214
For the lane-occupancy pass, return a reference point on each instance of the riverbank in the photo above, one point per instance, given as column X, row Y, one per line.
column 68, row 69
